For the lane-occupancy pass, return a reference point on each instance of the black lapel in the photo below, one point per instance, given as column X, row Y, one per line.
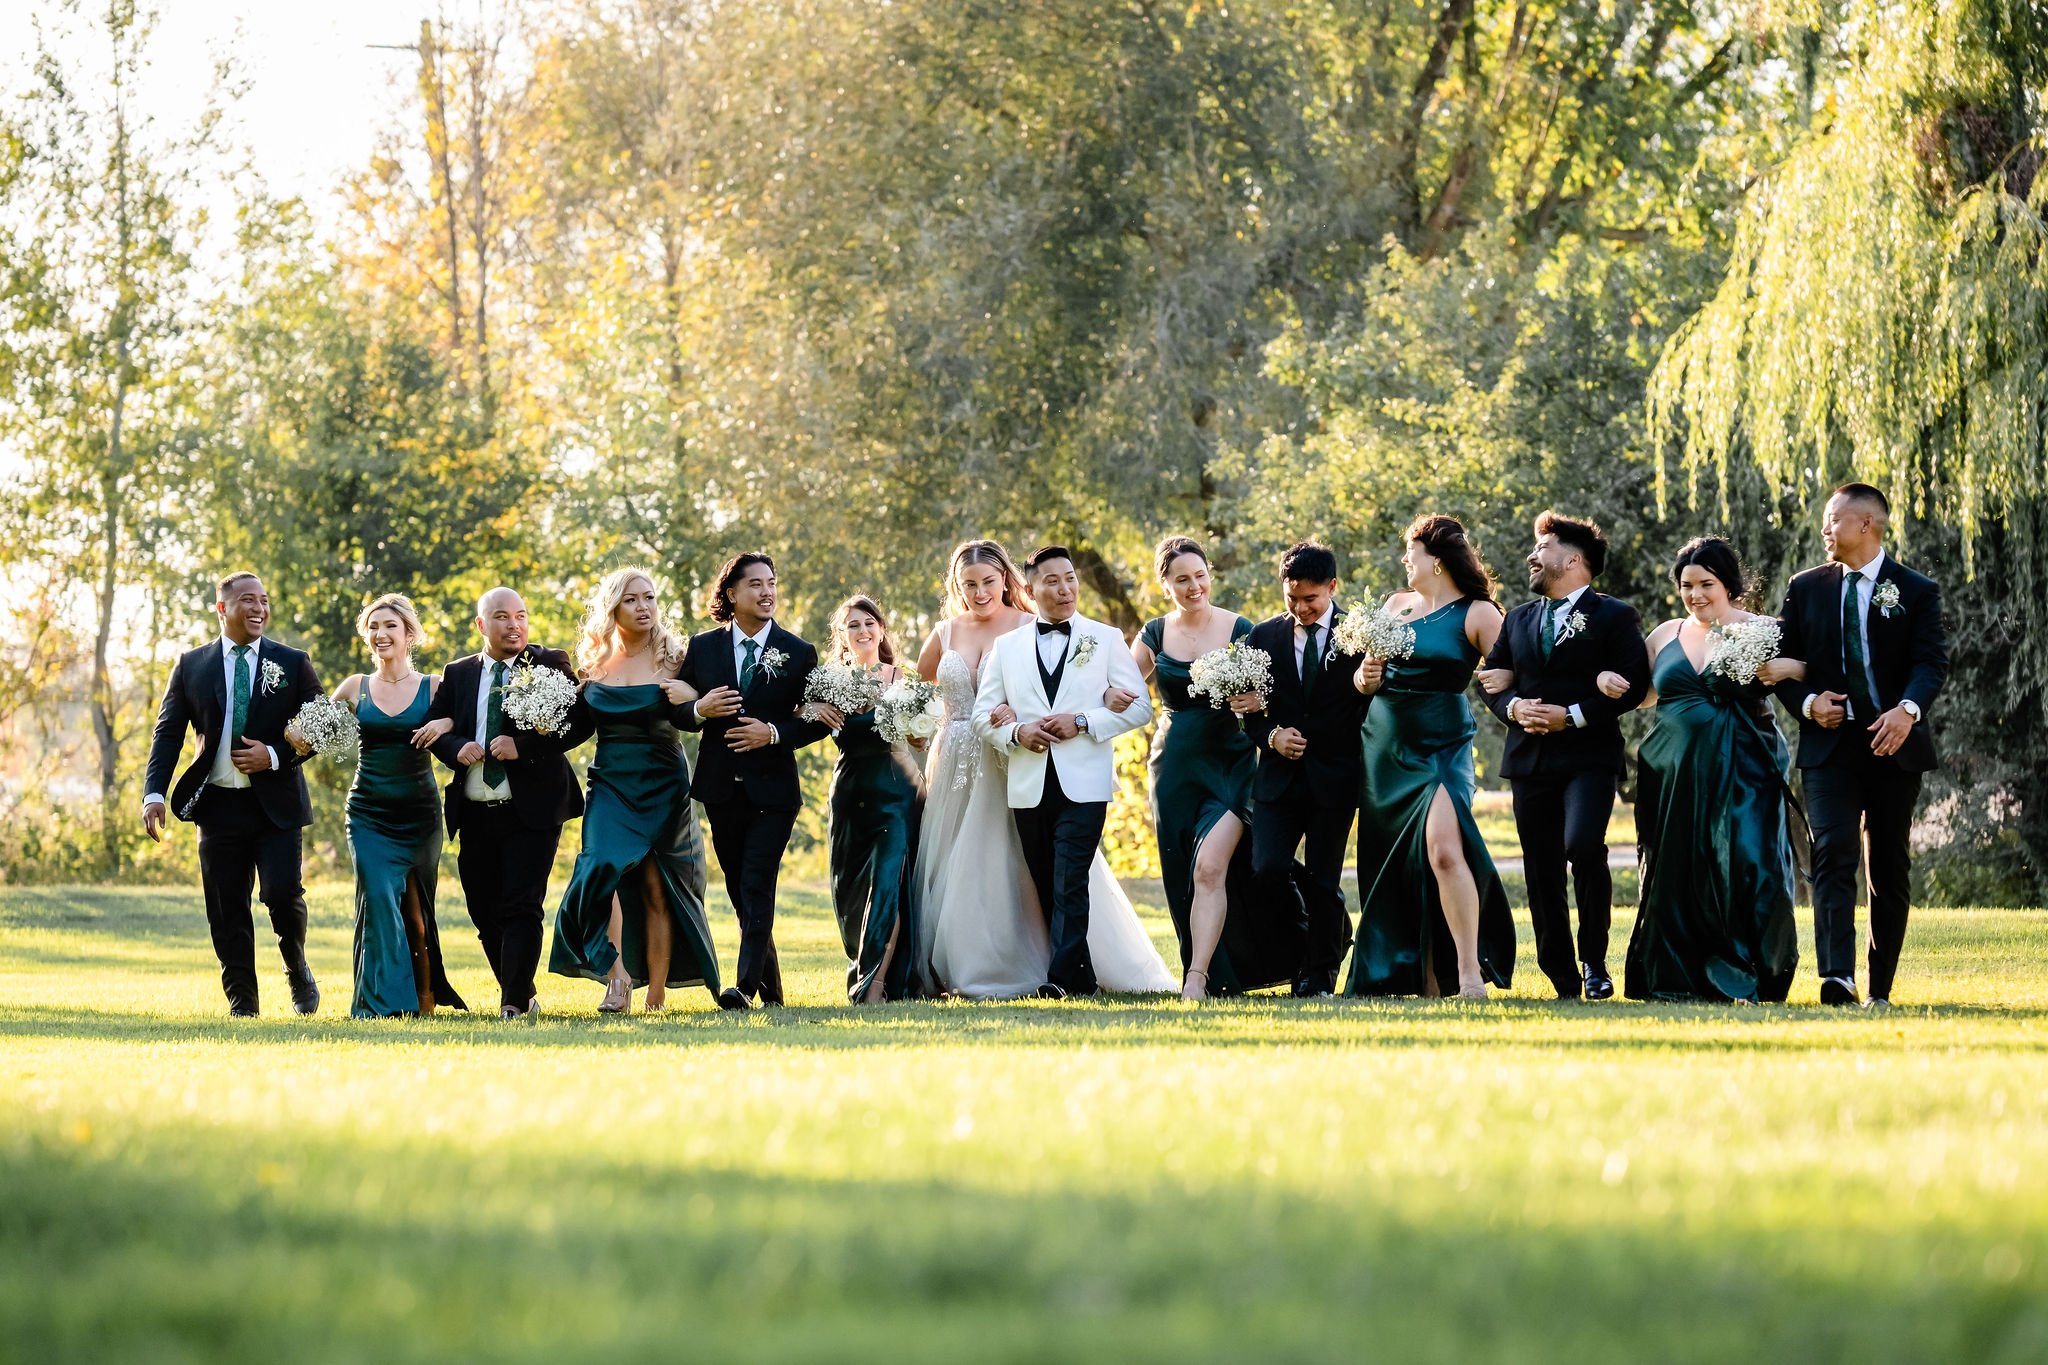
column 1837, row 648
column 215, row 687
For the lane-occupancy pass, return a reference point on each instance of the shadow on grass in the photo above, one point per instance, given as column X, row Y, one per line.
column 1257, row 1023
column 194, row 1248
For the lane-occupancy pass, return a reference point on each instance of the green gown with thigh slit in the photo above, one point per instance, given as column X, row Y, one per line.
column 394, row 836
column 1418, row 740
column 876, row 805
column 638, row 809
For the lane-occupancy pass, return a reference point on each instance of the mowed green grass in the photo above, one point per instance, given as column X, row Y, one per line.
column 1125, row 1180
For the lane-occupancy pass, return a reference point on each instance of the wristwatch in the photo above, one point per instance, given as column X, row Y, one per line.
column 1081, row 721
column 1911, row 708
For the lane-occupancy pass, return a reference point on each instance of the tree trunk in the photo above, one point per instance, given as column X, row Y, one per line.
column 103, row 699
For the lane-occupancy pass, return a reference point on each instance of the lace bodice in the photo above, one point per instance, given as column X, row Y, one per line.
column 958, row 753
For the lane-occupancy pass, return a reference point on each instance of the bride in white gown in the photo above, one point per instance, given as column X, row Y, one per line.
column 983, row 934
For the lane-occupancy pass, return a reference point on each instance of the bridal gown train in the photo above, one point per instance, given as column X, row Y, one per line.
column 981, row 931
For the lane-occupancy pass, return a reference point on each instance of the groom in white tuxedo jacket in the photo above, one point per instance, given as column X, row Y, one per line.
column 1054, row 675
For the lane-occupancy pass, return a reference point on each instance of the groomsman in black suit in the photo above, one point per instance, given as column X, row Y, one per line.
column 511, row 794
column 1311, row 767
column 1876, row 652
column 243, row 789
column 749, row 674
column 1564, row 753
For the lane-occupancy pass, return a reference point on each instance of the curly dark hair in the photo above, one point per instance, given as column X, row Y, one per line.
column 1445, row 538
column 1308, row 561
column 716, row 604
column 1584, row 536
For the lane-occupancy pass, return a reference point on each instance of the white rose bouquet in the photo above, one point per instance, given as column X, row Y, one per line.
column 846, row 686
column 538, row 699
column 1376, row 631
column 1736, row 651
column 909, row 709
column 327, row 725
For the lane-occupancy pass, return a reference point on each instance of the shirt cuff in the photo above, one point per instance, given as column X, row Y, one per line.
column 273, row 757
column 774, row 735
column 1806, row 707
column 154, row 799
column 1578, row 716
column 1911, row 708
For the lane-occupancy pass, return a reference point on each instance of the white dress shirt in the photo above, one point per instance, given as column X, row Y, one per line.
column 1863, row 590
column 739, row 663
column 1053, row 645
column 1560, row 621
column 224, row 773
column 1323, row 624
column 473, row 785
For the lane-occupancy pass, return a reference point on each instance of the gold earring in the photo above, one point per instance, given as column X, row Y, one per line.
column 1438, row 570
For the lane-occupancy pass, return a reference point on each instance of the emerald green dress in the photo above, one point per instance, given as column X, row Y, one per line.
column 637, row 808
column 876, row 805
column 1418, row 738
column 1713, row 817
column 1202, row 764
column 394, row 835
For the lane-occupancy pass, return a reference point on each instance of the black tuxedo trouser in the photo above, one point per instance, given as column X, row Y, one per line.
column 1322, row 831
column 1061, row 838
column 504, row 865
column 239, row 848
column 750, row 841
column 1562, row 818
column 1860, row 805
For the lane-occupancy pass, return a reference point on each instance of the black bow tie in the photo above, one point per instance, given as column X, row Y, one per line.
column 1056, row 628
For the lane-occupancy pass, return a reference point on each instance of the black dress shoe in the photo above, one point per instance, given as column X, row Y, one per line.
column 1315, row 986
column 1051, row 992
column 1835, row 990
column 305, row 990
column 241, row 1012
column 1599, row 985
column 731, row 999
column 1568, row 990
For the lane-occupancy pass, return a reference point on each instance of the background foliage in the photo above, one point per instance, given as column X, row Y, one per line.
column 655, row 279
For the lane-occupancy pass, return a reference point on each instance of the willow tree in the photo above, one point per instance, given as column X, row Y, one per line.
column 1885, row 317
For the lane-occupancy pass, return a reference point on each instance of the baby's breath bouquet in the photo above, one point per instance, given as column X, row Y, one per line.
column 1230, row 671
column 909, row 709
column 1376, row 631
column 847, row 686
column 326, row 724
column 539, row 699
column 1736, row 651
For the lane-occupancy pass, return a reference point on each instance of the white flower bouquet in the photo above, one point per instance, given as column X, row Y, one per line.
column 539, row 699
column 1376, row 631
column 1224, row 673
column 846, row 686
column 327, row 725
column 1736, row 651
column 908, row 709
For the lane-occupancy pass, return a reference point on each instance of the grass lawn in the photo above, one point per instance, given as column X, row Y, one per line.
column 1123, row 1180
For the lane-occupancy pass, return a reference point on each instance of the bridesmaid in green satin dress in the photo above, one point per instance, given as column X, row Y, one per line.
column 633, row 913
column 1433, row 919
column 1713, row 809
column 875, row 808
column 394, row 824
column 1202, row 765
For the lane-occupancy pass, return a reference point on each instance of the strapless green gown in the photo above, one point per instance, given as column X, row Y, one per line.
column 1418, row 738
column 876, row 805
column 637, row 808
column 1202, row 764
column 1713, row 817
column 394, row 834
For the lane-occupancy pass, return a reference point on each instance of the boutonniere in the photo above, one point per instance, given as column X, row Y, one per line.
column 273, row 676
column 1084, row 650
column 1885, row 597
column 1573, row 624
column 771, row 661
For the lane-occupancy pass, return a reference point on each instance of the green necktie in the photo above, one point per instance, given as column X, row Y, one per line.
column 1549, row 641
column 748, row 648
column 1311, row 658
column 241, row 697
column 494, row 725
column 1852, row 651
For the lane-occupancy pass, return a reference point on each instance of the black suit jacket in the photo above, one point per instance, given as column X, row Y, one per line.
column 1908, row 653
column 1612, row 641
column 766, row 776
column 544, row 790
column 197, row 697
column 1333, row 769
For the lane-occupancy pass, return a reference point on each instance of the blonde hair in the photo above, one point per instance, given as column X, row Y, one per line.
column 983, row 552
column 599, row 638
column 840, row 650
column 399, row 605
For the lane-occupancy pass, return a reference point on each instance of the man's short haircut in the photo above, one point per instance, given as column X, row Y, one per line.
column 1308, row 561
column 228, row 581
column 1584, row 536
column 1864, row 492
column 1044, row 553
